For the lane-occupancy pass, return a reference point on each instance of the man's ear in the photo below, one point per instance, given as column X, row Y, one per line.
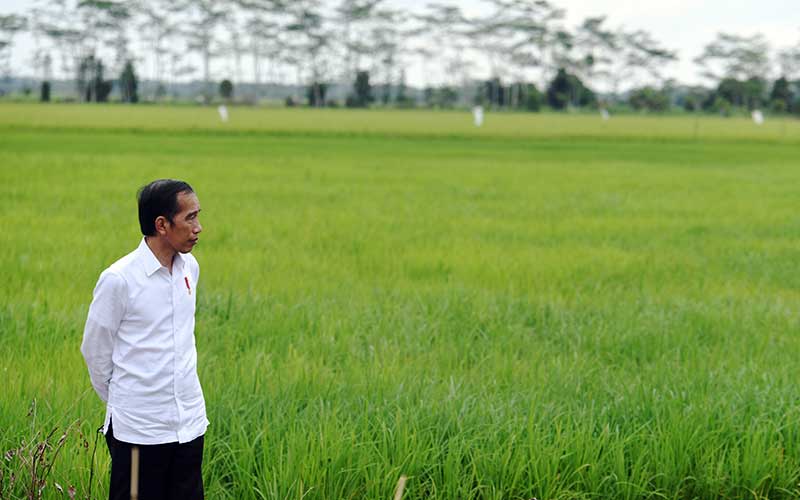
column 161, row 224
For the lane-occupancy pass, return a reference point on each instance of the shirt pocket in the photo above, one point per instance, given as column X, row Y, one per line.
column 189, row 287
column 188, row 293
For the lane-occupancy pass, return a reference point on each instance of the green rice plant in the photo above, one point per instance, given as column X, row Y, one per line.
column 548, row 306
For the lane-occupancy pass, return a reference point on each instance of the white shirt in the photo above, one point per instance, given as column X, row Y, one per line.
column 140, row 350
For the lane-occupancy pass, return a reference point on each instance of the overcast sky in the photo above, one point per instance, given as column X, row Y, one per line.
column 682, row 25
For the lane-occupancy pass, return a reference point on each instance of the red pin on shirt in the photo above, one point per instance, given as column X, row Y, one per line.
column 188, row 288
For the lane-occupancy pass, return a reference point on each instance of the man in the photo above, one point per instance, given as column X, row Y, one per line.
column 139, row 347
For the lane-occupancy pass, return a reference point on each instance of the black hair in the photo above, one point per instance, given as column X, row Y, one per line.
column 159, row 198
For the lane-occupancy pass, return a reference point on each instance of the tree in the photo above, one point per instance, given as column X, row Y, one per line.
column 567, row 90
column 789, row 62
column 535, row 29
column 44, row 95
column 316, row 94
column 264, row 32
column 103, row 23
column 494, row 94
column 310, row 39
column 362, row 91
column 403, row 100
column 263, row 41
column 234, row 46
column 386, row 42
column 755, row 92
column 53, row 26
column 91, row 85
column 128, row 84
column 445, row 27
column 490, row 35
column 10, row 25
column 748, row 93
column 781, row 97
column 734, row 56
column 520, row 95
column 532, row 100
column 641, row 57
column 693, row 98
column 649, row 99
column 598, row 47
column 353, row 18
column 226, row 89
column 446, row 97
column 731, row 90
column 158, row 27
column 204, row 17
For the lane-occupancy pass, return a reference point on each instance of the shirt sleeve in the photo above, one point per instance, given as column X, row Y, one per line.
column 105, row 315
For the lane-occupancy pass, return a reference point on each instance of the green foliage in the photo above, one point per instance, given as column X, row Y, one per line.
column 694, row 99
column 749, row 94
column 567, row 90
column 403, row 100
column 128, row 84
column 492, row 95
column 721, row 106
column 649, row 99
column 226, row 89
column 44, row 93
column 316, row 94
column 91, row 85
column 523, row 96
column 531, row 97
column 781, row 96
column 444, row 97
column 362, row 91
column 735, row 57
column 540, row 307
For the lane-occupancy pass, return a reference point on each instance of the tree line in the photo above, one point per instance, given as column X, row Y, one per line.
column 366, row 46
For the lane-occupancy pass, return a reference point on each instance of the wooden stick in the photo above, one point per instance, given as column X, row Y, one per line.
column 134, row 472
column 401, row 485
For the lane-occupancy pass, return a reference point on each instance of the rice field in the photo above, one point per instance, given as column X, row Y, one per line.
column 550, row 306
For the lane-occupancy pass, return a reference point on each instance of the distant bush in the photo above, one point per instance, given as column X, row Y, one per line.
column 91, row 85
column 649, row 99
column 781, row 96
column 44, row 94
column 750, row 93
column 226, row 89
column 316, row 94
column 567, row 90
column 128, row 84
column 520, row 95
column 362, row 92
column 721, row 105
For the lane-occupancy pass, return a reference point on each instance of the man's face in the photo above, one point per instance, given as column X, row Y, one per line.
column 182, row 234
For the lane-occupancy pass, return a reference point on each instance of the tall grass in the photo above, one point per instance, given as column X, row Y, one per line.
column 554, row 314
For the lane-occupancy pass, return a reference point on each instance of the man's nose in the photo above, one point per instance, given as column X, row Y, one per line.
column 198, row 228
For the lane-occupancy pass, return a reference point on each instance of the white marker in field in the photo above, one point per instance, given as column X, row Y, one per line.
column 223, row 113
column 758, row 117
column 604, row 114
column 477, row 115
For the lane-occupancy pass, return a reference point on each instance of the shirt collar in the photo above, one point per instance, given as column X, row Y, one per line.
column 151, row 263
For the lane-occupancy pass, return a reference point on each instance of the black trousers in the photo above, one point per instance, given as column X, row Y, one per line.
column 170, row 471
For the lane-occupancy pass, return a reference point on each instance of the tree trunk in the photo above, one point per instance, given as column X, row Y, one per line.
column 206, row 73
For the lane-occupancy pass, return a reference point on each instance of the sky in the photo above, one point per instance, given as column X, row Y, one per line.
column 682, row 25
